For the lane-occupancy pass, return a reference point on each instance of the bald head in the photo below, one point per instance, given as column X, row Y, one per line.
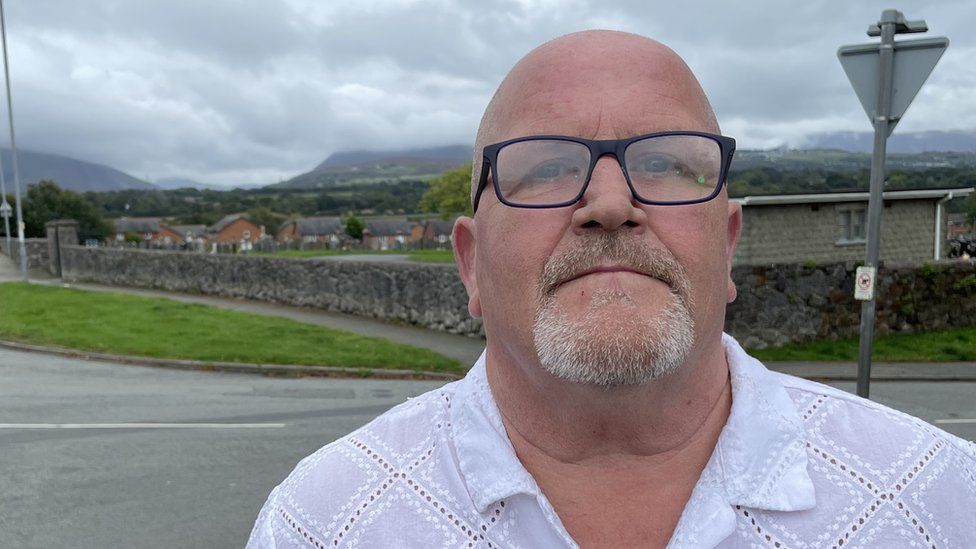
column 619, row 77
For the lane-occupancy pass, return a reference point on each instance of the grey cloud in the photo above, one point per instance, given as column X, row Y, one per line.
column 245, row 92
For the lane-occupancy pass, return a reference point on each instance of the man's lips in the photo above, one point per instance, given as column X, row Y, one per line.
column 603, row 269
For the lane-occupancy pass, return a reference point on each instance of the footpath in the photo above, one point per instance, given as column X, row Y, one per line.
column 462, row 348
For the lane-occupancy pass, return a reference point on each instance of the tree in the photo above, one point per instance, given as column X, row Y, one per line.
column 354, row 227
column 449, row 194
column 263, row 216
column 46, row 201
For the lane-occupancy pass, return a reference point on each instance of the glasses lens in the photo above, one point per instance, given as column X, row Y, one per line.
column 674, row 168
column 541, row 171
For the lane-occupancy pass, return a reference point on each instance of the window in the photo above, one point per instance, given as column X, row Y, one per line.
column 247, row 234
column 853, row 225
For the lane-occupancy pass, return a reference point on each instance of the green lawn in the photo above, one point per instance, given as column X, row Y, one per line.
column 957, row 344
column 426, row 256
column 156, row 327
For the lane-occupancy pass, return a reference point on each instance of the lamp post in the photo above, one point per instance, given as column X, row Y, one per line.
column 22, row 248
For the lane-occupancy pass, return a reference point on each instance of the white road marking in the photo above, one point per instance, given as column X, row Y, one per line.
column 956, row 420
column 140, row 425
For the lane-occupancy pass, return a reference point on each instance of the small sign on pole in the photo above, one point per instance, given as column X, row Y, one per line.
column 864, row 283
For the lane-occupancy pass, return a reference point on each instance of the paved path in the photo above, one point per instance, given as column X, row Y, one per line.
column 9, row 271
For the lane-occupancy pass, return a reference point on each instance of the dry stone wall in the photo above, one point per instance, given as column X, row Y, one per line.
column 776, row 304
column 38, row 256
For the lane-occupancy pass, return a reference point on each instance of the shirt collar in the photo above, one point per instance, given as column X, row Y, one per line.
column 759, row 461
column 488, row 463
column 761, row 455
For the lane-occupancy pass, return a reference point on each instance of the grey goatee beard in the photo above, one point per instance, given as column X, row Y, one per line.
column 635, row 350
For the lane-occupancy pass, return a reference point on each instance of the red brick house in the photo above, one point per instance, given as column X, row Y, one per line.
column 234, row 229
column 313, row 229
column 437, row 233
column 388, row 234
column 150, row 229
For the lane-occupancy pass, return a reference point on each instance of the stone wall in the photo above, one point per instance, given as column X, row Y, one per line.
column 783, row 303
column 775, row 305
column 429, row 295
column 800, row 233
column 38, row 256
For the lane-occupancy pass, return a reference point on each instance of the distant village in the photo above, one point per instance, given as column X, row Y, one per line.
column 237, row 234
column 799, row 228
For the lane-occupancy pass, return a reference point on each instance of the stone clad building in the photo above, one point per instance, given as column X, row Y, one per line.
column 832, row 227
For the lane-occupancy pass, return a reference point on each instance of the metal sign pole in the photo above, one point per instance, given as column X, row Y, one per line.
column 889, row 18
column 886, row 77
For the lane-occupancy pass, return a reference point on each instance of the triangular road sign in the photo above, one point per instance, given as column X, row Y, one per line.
column 913, row 62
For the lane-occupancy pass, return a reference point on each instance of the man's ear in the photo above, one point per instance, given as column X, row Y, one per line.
column 464, row 239
column 734, row 229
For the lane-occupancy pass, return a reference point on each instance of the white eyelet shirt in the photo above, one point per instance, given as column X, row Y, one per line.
column 798, row 464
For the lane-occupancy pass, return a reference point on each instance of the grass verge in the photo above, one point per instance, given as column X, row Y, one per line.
column 163, row 328
column 957, row 344
column 426, row 256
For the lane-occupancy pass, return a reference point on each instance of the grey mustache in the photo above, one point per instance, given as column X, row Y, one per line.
column 619, row 250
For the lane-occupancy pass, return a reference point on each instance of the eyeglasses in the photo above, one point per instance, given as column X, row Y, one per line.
column 551, row 171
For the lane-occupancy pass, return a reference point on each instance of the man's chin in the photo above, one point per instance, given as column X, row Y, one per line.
column 614, row 309
column 614, row 343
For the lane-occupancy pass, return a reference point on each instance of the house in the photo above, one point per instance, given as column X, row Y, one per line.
column 150, row 229
column 313, row 230
column 437, row 233
column 234, row 229
column 190, row 233
column 388, row 234
column 959, row 225
column 832, row 227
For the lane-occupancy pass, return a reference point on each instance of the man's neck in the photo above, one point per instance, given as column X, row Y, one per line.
column 604, row 457
column 575, row 423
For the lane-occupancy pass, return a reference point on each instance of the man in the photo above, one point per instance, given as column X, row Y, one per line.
column 609, row 410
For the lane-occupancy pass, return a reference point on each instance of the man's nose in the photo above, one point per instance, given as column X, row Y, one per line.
column 608, row 203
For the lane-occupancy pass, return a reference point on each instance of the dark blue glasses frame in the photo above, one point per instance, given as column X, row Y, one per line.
column 598, row 149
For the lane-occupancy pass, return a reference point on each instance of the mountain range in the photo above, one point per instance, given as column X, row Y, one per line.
column 363, row 167
column 68, row 172
column 909, row 142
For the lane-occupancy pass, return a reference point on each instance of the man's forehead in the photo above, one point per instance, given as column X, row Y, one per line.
column 599, row 84
column 598, row 113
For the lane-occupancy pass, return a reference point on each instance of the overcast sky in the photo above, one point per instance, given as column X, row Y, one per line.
column 254, row 91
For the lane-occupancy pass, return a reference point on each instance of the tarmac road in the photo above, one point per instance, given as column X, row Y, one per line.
column 183, row 486
column 200, row 481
